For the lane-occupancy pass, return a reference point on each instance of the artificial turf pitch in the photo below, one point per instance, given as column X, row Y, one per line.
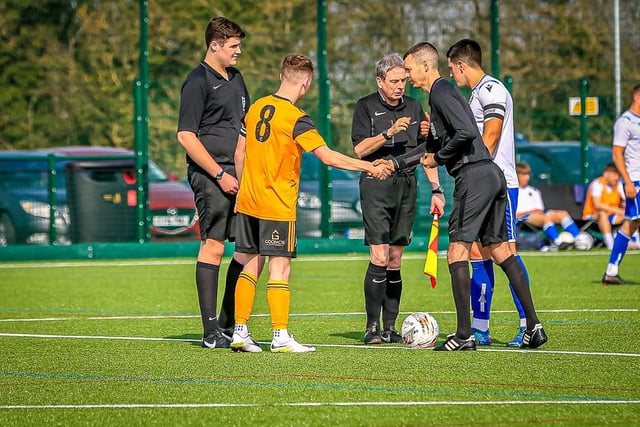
column 118, row 343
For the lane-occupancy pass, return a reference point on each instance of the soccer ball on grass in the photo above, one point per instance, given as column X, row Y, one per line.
column 420, row 330
column 583, row 241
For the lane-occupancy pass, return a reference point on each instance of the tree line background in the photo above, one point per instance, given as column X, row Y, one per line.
column 67, row 67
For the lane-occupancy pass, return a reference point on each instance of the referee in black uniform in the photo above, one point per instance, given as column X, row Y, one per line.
column 388, row 123
column 479, row 197
column 213, row 102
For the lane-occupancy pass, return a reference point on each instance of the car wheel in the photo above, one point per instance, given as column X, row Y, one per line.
column 7, row 232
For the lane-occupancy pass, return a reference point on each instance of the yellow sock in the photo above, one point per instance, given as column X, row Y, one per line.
column 278, row 296
column 245, row 294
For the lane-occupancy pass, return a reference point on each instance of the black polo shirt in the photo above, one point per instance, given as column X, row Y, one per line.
column 372, row 115
column 213, row 108
column 453, row 136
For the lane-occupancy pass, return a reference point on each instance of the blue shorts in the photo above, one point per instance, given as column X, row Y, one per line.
column 632, row 207
column 510, row 212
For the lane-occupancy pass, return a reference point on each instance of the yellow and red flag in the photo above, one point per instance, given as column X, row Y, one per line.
column 431, row 261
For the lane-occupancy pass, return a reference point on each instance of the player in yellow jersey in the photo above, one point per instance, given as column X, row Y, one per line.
column 604, row 202
column 268, row 165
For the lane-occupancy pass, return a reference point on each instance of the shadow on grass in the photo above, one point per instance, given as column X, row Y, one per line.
column 191, row 339
column 626, row 283
column 352, row 335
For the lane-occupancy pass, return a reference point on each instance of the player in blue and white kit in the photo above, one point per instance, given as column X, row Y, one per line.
column 626, row 156
column 492, row 107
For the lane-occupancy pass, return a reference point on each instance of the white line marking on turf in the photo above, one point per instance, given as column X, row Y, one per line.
column 193, row 316
column 303, row 258
column 357, row 346
column 317, row 404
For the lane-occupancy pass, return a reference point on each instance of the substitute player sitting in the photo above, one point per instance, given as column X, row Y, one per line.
column 531, row 210
column 604, row 202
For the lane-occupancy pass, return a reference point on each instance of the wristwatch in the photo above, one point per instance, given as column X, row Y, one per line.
column 219, row 175
column 386, row 135
column 437, row 190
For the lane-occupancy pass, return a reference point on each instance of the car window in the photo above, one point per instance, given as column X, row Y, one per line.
column 561, row 162
column 540, row 168
column 156, row 174
column 20, row 173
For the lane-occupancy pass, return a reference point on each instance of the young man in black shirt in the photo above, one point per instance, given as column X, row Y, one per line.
column 479, row 198
column 213, row 101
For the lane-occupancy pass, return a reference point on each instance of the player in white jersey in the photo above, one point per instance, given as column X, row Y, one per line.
column 492, row 107
column 626, row 156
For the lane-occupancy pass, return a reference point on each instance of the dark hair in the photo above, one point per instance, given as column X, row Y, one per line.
column 522, row 167
column 424, row 53
column 221, row 29
column 611, row 167
column 466, row 50
column 636, row 89
column 419, row 48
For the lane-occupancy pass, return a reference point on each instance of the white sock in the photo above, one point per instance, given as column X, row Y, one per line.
column 480, row 324
column 612, row 270
column 608, row 240
column 280, row 335
column 241, row 330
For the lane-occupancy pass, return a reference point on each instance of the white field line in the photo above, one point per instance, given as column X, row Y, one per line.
column 304, row 258
column 356, row 346
column 147, row 317
column 323, row 404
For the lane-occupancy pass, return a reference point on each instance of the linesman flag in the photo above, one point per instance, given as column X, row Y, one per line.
column 431, row 260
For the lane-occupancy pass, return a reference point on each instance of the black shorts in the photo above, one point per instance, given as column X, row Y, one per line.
column 479, row 202
column 214, row 206
column 388, row 208
column 268, row 238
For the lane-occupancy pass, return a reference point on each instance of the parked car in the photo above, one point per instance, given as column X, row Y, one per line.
column 346, row 213
column 24, row 197
column 560, row 161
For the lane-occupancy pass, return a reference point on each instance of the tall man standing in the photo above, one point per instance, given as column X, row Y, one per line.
column 479, row 196
column 213, row 102
column 492, row 108
column 385, row 123
column 626, row 156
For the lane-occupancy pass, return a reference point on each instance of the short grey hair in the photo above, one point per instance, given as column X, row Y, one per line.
column 388, row 62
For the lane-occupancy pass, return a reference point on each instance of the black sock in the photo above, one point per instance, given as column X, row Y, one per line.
column 391, row 304
column 461, row 287
column 227, row 312
column 375, row 281
column 518, row 280
column 207, row 284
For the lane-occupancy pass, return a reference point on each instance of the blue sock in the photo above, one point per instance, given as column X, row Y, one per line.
column 516, row 301
column 551, row 231
column 481, row 292
column 620, row 245
column 569, row 225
